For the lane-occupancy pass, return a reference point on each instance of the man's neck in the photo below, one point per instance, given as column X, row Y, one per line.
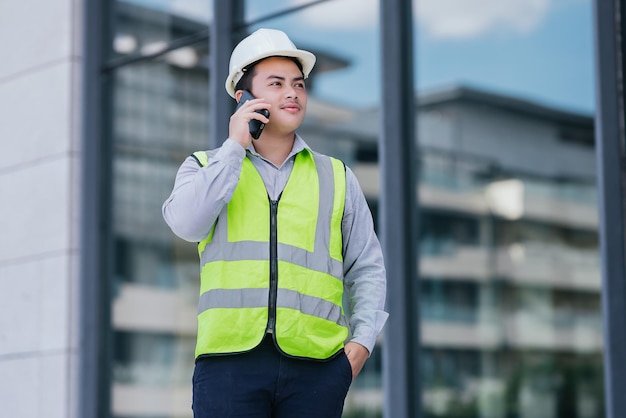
column 275, row 149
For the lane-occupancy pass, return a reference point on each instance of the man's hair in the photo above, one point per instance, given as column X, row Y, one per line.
column 245, row 82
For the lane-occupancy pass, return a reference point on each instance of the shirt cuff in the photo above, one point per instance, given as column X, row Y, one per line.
column 366, row 335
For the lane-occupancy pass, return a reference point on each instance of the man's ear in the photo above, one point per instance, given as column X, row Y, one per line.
column 238, row 94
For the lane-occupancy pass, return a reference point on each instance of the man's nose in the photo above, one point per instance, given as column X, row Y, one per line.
column 291, row 92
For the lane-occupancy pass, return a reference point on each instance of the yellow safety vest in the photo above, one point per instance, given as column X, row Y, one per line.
column 276, row 262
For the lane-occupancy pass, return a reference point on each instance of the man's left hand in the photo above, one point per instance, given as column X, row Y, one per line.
column 357, row 355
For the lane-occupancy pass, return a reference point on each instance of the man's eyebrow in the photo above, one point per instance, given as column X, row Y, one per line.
column 283, row 78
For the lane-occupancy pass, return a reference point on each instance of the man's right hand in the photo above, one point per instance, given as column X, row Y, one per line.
column 238, row 128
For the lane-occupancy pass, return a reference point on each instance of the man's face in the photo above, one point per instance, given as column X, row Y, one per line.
column 280, row 82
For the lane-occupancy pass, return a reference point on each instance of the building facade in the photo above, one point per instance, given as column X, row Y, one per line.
column 102, row 101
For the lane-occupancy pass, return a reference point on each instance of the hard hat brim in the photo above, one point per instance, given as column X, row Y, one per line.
column 306, row 58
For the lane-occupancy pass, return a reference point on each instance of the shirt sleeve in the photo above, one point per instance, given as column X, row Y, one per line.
column 200, row 193
column 364, row 271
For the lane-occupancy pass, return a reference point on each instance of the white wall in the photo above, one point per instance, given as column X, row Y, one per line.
column 39, row 207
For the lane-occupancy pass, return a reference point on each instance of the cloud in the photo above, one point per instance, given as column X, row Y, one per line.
column 341, row 14
column 192, row 9
column 475, row 18
column 451, row 19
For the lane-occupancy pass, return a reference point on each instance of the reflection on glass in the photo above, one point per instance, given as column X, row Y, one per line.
column 511, row 318
column 160, row 115
column 147, row 27
column 510, row 293
column 254, row 9
column 509, row 265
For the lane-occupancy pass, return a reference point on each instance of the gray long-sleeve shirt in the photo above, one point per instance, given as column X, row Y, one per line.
column 200, row 193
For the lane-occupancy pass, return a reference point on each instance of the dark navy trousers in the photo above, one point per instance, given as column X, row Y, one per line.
column 263, row 383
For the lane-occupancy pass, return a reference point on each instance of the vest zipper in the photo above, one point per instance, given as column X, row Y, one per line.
column 273, row 264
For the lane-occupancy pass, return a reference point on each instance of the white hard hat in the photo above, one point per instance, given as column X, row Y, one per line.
column 261, row 44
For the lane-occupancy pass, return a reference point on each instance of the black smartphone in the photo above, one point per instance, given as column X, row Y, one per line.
column 256, row 126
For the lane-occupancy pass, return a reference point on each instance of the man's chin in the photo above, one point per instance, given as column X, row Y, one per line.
column 289, row 125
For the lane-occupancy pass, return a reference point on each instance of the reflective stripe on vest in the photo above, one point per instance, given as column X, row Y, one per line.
column 233, row 308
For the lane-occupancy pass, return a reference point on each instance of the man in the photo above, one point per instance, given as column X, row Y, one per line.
column 282, row 232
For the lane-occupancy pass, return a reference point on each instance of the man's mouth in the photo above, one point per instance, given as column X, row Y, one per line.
column 292, row 107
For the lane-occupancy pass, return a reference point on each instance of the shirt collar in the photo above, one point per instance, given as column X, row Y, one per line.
column 299, row 145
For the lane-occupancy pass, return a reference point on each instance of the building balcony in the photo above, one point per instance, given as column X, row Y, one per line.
column 144, row 308
column 537, row 264
column 520, row 330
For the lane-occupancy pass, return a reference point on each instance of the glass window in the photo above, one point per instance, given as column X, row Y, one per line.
column 160, row 116
column 147, row 27
column 511, row 318
column 511, row 313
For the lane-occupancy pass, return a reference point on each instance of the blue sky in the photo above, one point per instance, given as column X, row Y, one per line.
column 552, row 62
